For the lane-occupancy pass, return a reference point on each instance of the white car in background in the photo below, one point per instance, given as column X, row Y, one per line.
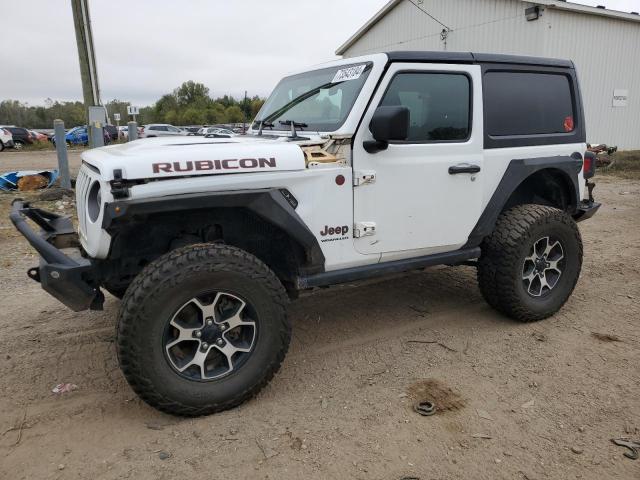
column 216, row 131
column 6, row 139
column 160, row 130
column 123, row 132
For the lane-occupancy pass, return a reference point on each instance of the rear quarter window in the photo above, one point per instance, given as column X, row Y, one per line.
column 525, row 103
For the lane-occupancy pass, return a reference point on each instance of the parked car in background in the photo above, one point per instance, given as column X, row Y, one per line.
column 21, row 136
column 216, row 132
column 112, row 130
column 160, row 130
column 225, row 131
column 205, row 130
column 37, row 136
column 124, row 132
column 191, row 129
column 80, row 136
column 6, row 139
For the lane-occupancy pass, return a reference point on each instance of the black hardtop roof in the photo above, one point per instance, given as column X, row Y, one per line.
column 469, row 57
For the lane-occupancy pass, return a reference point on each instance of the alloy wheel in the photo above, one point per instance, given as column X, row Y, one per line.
column 210, row 336
column 543, row 266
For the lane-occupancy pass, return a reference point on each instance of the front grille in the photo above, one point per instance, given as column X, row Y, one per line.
column 83, row 182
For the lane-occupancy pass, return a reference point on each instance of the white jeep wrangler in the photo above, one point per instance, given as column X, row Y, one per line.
column 354, row 169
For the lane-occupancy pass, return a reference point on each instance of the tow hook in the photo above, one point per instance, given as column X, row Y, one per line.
column 34, row 274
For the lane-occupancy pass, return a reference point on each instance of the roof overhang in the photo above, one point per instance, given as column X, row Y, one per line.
column 554, row 4
column 367, row 26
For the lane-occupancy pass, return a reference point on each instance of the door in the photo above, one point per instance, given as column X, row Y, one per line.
column 174, row 131
column 422, row 195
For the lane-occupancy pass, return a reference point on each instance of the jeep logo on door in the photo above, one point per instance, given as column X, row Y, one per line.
column 333, row 231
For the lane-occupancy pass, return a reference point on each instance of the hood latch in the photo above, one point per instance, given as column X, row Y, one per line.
column 119, row 188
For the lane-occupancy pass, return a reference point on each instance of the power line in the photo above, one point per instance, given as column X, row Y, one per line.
column 428, row 14
column 422, row 37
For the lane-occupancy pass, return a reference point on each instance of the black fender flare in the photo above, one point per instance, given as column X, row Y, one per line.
column 269, row 204
column 516, row 173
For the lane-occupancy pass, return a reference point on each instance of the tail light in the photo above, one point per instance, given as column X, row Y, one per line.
column 6, row 132
column 589, row 165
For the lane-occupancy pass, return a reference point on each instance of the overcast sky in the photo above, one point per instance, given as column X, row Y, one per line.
column 146, row 48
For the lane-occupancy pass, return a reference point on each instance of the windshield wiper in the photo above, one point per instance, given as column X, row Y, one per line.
column 264, row 123
column 293, row 124
column 299, row 99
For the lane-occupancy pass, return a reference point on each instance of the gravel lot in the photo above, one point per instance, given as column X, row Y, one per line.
column 518, row 401
column 12, row 160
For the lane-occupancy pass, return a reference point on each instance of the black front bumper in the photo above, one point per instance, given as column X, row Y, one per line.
column 70, row 280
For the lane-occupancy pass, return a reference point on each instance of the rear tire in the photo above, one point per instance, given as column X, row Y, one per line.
column 531, row 262
column 1, row 146
column 177, row 344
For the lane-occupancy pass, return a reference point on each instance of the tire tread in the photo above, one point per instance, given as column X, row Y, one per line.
column 500, row 250
column 216, row 257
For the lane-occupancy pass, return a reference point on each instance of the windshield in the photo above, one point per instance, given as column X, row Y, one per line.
column 319, row 100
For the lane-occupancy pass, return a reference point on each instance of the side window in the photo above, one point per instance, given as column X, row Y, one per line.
column 523, row 103
column 438, row 103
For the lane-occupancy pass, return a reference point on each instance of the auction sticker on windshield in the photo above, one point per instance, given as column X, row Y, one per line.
column 351, row 73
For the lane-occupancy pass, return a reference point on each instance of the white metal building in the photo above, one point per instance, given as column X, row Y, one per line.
column 604, row 45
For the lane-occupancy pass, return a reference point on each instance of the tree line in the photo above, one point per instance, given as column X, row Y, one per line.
column 189, row 104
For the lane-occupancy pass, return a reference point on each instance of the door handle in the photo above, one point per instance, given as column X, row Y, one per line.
column 463, row 168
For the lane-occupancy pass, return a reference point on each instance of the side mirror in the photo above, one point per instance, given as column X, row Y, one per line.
column 387, row 124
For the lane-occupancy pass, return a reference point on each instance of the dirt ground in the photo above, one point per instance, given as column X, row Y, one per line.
column 516, row 401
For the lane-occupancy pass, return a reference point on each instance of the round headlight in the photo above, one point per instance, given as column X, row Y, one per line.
column 94, row 202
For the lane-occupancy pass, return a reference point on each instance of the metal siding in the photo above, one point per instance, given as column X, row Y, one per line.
column 480, row 26
column 605, row 52
column 603, row 49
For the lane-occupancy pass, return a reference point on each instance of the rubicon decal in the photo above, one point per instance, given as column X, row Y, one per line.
column 206, row 165
column 336, row 233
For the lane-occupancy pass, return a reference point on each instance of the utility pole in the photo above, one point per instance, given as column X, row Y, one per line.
column 244, row 123
column 88, row 67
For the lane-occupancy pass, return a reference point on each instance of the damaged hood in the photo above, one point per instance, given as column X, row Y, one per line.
column 163, row 157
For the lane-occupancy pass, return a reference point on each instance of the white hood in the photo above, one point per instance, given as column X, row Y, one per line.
column 186, row 156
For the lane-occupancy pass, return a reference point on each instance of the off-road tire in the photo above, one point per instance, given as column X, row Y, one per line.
column 159, row 290
column 503, row 253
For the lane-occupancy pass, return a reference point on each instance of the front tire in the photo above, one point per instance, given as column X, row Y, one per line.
column 202, row 329
column 531, row 262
